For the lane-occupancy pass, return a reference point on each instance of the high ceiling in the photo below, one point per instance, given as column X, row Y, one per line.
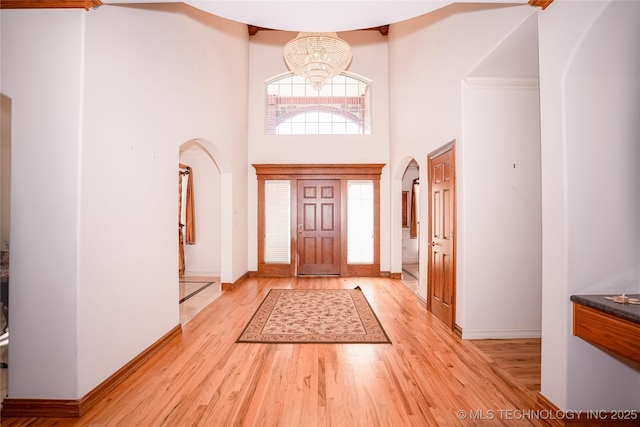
column 318, row 15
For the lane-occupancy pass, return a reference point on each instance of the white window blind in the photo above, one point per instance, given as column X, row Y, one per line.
column 360, row 222
column 277, row 218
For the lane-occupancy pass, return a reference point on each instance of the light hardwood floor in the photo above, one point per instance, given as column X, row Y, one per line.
column 521, row 358
column 426, row 377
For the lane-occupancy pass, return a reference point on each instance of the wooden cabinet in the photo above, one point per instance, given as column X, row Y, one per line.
column 606, row 330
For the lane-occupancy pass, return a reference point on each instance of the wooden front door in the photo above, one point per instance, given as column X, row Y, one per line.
column 441, row 247
column 319, row 226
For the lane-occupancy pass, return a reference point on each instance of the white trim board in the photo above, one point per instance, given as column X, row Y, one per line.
column 481, row 334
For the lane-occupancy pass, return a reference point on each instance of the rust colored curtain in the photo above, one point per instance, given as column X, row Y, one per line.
column 413, row 227
column 186, row 231
column 190, row 212
column 180, row 225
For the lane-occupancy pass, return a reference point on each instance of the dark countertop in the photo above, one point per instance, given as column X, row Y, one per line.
column 629, row 312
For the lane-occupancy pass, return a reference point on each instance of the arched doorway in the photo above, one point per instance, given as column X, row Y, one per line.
column 410, row 228
column 200, row 251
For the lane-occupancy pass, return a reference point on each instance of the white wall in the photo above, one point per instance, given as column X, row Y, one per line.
column 429, row 57
column 203, row 257
column 370, row 61
column 102, row 101
column 590, row 98
column 501, row 296
column 42, row 56
column 154, row 84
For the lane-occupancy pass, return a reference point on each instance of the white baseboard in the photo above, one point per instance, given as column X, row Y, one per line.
column 483, row 334
column 201, row 274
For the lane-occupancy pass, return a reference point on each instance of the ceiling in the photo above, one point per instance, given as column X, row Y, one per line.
column 318, row 15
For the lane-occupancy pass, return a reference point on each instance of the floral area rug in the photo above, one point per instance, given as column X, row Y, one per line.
column 314, row 316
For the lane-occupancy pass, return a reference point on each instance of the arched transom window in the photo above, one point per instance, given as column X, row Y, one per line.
column 341, row 107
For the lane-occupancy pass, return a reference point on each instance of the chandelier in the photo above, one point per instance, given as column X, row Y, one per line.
column 317, row 56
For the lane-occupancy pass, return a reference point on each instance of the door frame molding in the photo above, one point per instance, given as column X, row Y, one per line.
column 450, row 146
column 342, row 172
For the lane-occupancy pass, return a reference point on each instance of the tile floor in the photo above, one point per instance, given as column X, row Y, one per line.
column 195, row 294
column 410, row 276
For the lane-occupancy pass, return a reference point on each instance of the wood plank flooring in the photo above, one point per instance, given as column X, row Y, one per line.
column 204, row 378
column 521, row 358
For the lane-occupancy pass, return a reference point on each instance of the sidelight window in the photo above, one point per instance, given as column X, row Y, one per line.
column 360, row 225
column 277, row 220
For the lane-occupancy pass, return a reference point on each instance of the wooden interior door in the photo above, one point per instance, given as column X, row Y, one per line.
column 319, row 226
column 441, row 247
